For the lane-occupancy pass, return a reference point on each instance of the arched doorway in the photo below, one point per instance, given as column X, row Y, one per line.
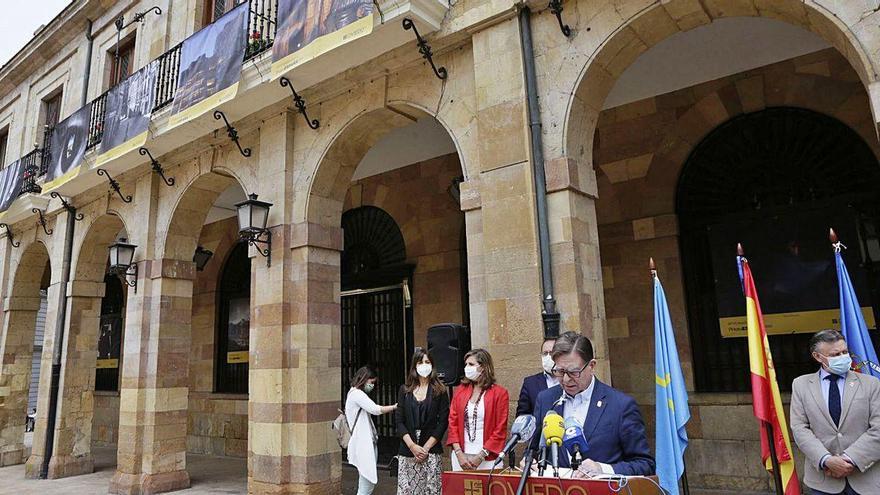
column 377, row 318
column 775, row 180
column 21, row 310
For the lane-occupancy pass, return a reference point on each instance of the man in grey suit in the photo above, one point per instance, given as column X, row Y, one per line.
column 835, row 419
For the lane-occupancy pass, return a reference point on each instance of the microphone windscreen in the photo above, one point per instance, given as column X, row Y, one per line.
column 528, row 430
column 554, row 428
column 521, row 422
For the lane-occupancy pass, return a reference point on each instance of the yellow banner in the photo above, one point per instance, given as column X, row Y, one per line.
column 237, row 357
column 130, row 145
column 788, row 323
column 58, row 181
column 107, row 363
column 203, row 106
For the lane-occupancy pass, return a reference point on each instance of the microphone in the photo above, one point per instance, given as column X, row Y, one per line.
column 554, row 429
column 574, row 441
column 522, row 430
column 527, row 467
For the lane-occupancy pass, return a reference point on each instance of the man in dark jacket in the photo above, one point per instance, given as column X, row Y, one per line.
column 537, row 383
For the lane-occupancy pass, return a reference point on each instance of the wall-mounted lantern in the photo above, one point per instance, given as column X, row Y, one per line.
column 252, row 217
column 122, row 262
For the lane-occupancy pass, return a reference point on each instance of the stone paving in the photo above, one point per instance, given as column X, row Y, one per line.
column 209, row 475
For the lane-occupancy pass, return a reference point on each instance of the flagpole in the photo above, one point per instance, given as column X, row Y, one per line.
column 685, row 488
column 777, row 475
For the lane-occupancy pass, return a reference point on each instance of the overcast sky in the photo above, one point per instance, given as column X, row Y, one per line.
column 20, row 20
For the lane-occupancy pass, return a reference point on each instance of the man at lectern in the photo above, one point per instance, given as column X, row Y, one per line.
column 612, row 423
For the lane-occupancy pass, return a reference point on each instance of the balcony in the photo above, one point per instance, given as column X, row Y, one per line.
column 253, row 91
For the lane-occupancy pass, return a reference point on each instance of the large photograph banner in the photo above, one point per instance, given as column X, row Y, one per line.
column 308, row 28
column 67, row 148
column 794, row 270
column 127, row 115
column 11, row 179
column 210, row 66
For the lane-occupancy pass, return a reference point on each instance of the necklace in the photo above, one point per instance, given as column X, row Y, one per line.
column 471, row 430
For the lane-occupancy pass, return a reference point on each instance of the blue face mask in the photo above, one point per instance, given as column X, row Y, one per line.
column 368, row 387
column 839, row 365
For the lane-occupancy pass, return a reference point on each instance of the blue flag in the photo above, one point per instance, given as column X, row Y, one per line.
column 852, row 323
column 672, row 400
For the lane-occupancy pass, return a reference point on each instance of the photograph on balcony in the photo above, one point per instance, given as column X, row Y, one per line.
column 67, row 148
column 127, row 119
column 308, row 28
column 210, row 66
column 10, row 184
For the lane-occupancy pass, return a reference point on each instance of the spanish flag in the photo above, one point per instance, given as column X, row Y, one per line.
column 765, row 391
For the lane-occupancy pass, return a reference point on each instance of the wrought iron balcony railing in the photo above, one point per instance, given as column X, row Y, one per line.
column 33, row 163
column 262, row 26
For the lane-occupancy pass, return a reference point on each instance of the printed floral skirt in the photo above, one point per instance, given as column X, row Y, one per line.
column 423, row 479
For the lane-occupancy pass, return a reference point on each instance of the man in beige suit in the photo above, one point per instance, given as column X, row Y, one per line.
column 835, row 418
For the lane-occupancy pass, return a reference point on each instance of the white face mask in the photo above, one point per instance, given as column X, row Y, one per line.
column 547, row 363
column 368, row 387
column 424, row 370
column 471, row 372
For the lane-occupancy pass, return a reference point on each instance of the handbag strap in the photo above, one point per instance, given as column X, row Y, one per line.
column 356, row 418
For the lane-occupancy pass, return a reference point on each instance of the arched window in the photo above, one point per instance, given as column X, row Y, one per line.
column 110, row 335
column 233, row 322
column 775, row 180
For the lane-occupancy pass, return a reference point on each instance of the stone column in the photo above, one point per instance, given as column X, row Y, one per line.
column 294, row 339
column 71, row 452
column 16, row 349
column 151, row 456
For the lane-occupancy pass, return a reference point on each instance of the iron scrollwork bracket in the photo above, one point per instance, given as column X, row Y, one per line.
column 123, row 275
column 138, row 17
column 232, row 133
column 9, row 235
column 254, row 239
column 299, row 102
column 115, row 186
column 556, row 9
column 42, row 221
column 157, row 167
column 425, row 49
column 64, row 204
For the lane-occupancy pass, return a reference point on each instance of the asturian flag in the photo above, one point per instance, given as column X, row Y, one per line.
column 672, row 399
column 767, row 403
column 852, row 322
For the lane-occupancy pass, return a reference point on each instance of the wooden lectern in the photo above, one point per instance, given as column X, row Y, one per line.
column 477, row 483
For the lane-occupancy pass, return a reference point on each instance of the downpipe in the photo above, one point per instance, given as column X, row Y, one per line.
column 60, row 325
column 549, row 314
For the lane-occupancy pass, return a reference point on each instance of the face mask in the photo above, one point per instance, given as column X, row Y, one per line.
column 471, row 372
column 368, row 387
column 424, row 370
column 839, row 365
column 547, row 363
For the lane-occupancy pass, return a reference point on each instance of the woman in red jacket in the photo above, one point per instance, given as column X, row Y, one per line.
column 477, row 415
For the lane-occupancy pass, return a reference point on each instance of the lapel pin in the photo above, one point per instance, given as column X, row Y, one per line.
column 599, row 404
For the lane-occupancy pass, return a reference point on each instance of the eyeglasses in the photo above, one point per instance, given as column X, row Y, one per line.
column 559, row 373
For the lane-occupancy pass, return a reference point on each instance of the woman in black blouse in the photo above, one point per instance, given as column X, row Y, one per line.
column 422, row 418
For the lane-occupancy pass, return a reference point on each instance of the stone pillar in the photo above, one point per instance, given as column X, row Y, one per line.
column 574, row 239
column 503, row 262
column 151, row 455
column 294, row 340
column 71, row 452
column 16, row 349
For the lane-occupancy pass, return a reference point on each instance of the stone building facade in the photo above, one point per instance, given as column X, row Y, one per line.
column 466, row 216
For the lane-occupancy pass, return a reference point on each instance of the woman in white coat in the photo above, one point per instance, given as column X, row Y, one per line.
column 359, row 409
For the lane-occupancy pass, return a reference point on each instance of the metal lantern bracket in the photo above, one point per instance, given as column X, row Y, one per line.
column 425, row 49
column 9, row 235
column 64, row 204
column 299, row 102
column 232, row 133
column 556, row 9
column 42, row 221
column 156, row 166
column 254, row 239
column 115, row 186
column 131, row 271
